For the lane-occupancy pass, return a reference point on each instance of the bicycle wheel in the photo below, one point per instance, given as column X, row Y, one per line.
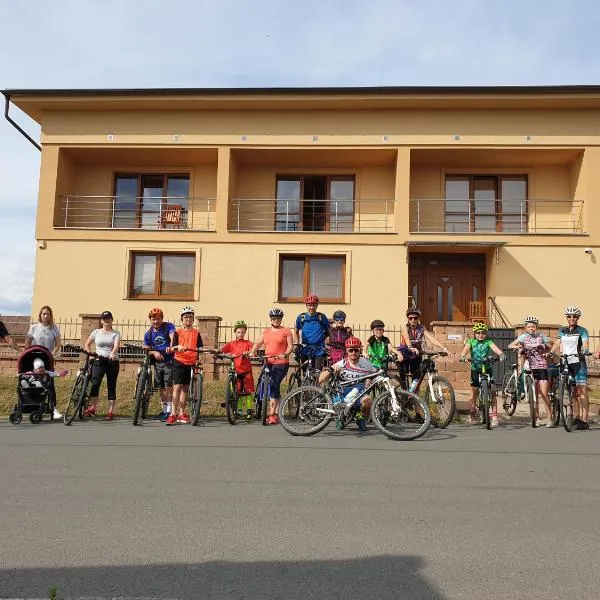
column 530, row 397
column 293, row 384
column 196, row 399
column 442, row 405
column 76, row 399
column 314, row 413
column 406, row 419
column 231, row 401
column 147, row 394
column 264, row 398
column 554, row 403
column 509, row 394
column 565, row 401
column 484, row 399
column 140, row 390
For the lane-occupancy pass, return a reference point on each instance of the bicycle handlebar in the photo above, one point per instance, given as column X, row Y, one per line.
column 81, row 350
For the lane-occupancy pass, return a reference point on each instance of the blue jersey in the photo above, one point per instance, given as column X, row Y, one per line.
column 159, row 339
column 314, row 329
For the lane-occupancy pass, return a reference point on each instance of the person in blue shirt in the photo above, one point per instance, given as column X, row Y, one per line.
column 158, row 341
column 312, row 329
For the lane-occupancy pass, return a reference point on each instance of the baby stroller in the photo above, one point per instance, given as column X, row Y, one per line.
column 33, row 389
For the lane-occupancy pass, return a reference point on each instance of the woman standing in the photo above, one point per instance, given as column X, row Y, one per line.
column 107, row 341
column 45, row 333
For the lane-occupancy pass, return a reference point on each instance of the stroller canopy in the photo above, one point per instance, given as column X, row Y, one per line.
column 25, row 360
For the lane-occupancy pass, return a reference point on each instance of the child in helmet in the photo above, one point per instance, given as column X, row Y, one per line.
column 240, row 348
column 379, row 346
column 479, row 348
column 338, row 334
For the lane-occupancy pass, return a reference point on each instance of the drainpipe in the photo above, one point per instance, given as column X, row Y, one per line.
column 16, row 125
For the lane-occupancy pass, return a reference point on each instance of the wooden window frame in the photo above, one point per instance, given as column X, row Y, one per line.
column 306, row 277
column 139, row 199
column 157, row 276
column 499, row 214
column 301, row 200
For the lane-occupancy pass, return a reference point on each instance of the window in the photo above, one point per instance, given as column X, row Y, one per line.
column 314, row 203
column 483, row 203
column 141, row 200
column 300, row 276
column 162, row 275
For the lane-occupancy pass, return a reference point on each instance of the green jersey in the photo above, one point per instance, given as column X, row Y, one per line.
column 377, row 350
column 480, row 350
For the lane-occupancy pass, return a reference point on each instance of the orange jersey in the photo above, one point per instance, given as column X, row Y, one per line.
column 242, row 363
column 190, row 338
column 276, row 342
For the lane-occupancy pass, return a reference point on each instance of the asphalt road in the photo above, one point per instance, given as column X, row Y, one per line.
column 106, row 510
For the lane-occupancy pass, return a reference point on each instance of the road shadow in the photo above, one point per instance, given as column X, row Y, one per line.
column 381, row 577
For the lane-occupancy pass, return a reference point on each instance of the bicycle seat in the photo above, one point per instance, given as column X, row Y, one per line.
column 513, row 366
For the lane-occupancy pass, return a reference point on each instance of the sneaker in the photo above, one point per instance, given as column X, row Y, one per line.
column 89, row 412
column 110, row 415
column 539, row 422
column 494, row 421
column 550, row 423
column 583, row 425
column 161, row 416
column 171, row 420
column 339, row 424
column 360, row 422
column 270, row 420
column 275, row 419
column 575, row 422
column 165, row 416
column 249, row 416
column 472, row 420
column 56, row 414
column 183, row 418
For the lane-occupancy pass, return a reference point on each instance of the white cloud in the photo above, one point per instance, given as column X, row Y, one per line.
column 235, row 43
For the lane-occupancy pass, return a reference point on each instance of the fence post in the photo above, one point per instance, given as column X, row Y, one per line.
column 209, row 330
column 89, row 322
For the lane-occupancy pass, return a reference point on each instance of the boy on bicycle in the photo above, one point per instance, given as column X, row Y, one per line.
column 186, row 340
column 479, row 348
column 353, row 366
column 313, row 329
column 157, row 342
column 240, row 348
column 379, row 346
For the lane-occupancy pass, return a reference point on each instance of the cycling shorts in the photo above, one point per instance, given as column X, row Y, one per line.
column 182, row 374
column 580, row 372
column 540, row 374
column 278, row 373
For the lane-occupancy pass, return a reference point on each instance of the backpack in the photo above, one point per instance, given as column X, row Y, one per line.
column 319, row 317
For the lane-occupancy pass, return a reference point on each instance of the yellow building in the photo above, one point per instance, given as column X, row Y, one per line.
column 234, row 201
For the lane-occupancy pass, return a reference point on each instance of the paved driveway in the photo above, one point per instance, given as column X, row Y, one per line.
column 106, row 510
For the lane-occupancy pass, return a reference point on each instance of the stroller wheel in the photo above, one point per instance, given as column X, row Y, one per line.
column 15, row 417
column 35, row 417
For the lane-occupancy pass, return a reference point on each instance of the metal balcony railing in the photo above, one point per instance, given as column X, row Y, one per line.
column 508, row 217
column 113, row 212
column 331, row 216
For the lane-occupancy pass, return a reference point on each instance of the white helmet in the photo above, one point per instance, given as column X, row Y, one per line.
column 530, row 319
column 572, row 311
column 186, row 310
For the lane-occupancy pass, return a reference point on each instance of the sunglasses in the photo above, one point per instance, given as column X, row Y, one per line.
column 413, row 318
column 572, row 317
column 353, row 349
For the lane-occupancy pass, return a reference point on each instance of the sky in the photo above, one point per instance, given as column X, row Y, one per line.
column 265, row 43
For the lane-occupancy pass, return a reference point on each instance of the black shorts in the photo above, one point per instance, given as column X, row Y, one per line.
column 410, row 366
column 163, row 375
column 540, row 374
column 475, row 378
column 182, row 374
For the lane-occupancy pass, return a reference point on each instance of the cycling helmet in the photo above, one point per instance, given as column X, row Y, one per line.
column 186, row 310
column 312, row 299
column 353, row 342
column 239, row 324
column 530, row 319
column 377, row 323
column 480, row 327
column 572, row 311
column 276, row 313
column 413, row 311
column 339, row 315
column 156, row 312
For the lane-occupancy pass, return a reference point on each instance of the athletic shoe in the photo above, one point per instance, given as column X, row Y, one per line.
column 162, row 416
column 275, row 420
column 110, row 416
column 56, row 414
column 550, row 423
column 171, row 420
column 249, row 416
column 575, row 423
column 165, row 416
column 472, row 420
column 494, row 421
column 183, row 419
column 339, row 424
column 583, row 425
column 539, row 422
column 89, row 412
column 271, row 420
column 361, row 423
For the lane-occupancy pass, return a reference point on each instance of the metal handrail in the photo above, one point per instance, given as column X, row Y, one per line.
column 314, row 215
column 497, row 317
column 464, row 216
column 135, row 212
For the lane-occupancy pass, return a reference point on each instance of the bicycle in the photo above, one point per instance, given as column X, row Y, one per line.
column 231, row 394
column 439, row 393
column 195, row 391
column 262, row 395
column 305, row 372
column 484, row 398
column 510, row 387
column 80, row 393
column 567, row 389
column 143, row 384
column 393, row 411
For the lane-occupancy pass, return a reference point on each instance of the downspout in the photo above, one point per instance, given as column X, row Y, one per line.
column 16, row 125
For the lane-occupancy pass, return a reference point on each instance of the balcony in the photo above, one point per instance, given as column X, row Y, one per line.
column 508, row 217
column 330, row 216
column 149, row 213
